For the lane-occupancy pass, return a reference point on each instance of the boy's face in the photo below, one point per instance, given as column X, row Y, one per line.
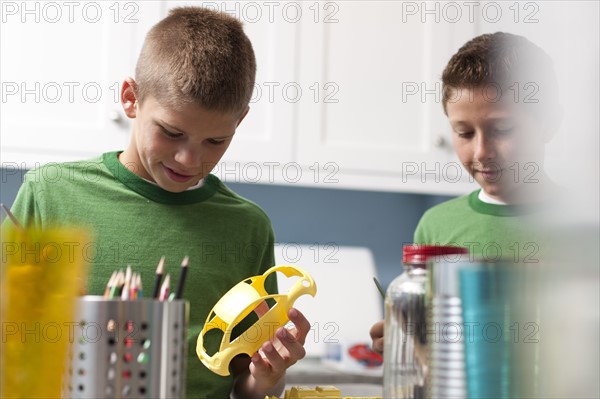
column 496, row 142
column 177, row 148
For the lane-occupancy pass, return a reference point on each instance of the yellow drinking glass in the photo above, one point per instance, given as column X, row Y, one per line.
column 42, row 274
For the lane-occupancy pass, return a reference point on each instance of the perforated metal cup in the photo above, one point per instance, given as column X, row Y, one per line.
column 445, row 331
column 128, row 349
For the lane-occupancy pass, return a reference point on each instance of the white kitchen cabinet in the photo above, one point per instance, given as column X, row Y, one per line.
column 378, row 116
column 86, row 55
column 347, row 93
column 62, row 65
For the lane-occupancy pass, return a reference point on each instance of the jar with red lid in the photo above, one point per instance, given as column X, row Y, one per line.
column 405, row 331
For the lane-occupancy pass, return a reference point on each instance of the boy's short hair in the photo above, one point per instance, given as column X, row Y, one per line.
column 511, row 63
column 197, row 55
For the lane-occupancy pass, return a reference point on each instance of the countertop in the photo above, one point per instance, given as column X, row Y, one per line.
column 353, row 390
column 312, row 371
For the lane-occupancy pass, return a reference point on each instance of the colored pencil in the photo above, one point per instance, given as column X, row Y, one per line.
column 115, row 291
column 182, row 275
column 127, row 284
column 158, row 278
column 164, row 289
column 109, row 285
column 379, row 287
column 139, row 291
column 12, row 218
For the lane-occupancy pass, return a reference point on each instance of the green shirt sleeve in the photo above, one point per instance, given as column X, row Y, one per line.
column 420, row 235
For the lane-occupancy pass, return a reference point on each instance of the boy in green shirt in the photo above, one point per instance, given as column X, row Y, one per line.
column 194, row 80
column 499, row 94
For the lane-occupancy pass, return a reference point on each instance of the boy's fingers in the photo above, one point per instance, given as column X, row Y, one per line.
column 301, row 323
column 274, row 359
column 378, row 346
column 260, row 365
column 377, row 330
column 377, row 336
column 295, row 350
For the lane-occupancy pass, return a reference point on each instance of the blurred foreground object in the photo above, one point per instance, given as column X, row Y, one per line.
column 570, row 309
column 42, row 274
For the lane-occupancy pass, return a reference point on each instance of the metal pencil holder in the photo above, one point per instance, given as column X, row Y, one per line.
column 447, row 373
column 129, row 349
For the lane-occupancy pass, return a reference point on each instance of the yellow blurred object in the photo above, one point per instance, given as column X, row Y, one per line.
column 245, row 297
column 42, row 274
column 319, row 392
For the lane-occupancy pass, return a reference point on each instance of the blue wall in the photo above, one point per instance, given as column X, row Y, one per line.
column 10, row 182
column 379, row 221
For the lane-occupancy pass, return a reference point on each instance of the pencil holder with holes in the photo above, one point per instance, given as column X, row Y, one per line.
column 128, row 349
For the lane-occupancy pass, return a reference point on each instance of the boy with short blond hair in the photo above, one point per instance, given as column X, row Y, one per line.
column 194, row 80
column 197, row 56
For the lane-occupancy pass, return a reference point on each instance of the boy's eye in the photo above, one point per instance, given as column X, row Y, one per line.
column 216, row 141
column 170, row 134
column 464, row 135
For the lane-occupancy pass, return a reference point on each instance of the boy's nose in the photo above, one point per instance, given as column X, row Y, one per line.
column 189, row 159
column 484, row 149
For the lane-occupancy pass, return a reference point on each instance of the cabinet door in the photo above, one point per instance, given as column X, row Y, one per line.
column 377, row 114
column 61, row 69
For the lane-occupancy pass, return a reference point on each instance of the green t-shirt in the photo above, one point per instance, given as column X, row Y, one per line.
column 135, row 222
column 487, row 230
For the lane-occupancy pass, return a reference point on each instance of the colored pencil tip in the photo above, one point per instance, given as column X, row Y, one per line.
column 161, row 265
column 185, row 262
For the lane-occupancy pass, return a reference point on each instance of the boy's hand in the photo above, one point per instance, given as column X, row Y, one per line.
column 377, row 336
column 267, row 366
column 285, row 349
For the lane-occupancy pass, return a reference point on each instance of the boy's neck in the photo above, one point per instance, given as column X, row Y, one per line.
column 485, row 197
column 543, row 190
column 195, row 186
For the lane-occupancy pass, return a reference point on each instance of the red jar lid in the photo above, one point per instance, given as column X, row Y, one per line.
column 413, row 253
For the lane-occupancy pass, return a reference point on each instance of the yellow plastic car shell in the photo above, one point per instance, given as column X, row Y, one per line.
column 244, row 298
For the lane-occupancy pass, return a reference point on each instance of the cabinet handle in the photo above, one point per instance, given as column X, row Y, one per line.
column 115, row 116
column 439, row 142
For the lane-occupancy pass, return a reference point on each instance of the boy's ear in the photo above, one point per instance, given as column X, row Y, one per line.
column 243, row 115
column 128, row 97
column 553, row 122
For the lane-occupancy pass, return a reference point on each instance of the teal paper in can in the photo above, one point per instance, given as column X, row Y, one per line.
column 497, row 364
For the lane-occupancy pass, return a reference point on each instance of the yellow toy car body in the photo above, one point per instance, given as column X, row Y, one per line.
column 246, row 297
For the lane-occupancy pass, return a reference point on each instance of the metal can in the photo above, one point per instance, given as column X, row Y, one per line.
column 405, row 331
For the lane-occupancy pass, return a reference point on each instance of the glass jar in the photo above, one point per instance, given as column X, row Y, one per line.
column 405, row 331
